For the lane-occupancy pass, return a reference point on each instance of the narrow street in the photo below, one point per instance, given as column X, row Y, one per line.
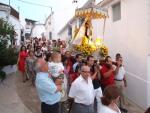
column 10, row 102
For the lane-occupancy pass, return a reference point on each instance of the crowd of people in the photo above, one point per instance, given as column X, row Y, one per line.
column 76, row 84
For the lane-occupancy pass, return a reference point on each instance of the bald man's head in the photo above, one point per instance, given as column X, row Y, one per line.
column 42, row 65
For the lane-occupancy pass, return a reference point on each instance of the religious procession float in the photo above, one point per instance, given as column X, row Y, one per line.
column 83, row 40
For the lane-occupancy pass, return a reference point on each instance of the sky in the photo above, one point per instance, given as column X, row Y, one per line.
column 63, row 10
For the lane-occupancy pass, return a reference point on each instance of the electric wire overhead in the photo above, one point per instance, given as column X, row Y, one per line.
column 31, row 3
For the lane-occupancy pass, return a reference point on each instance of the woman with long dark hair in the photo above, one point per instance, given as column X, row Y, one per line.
column 21, row 62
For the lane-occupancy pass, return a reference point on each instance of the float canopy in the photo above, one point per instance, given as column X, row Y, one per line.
column 92, row 12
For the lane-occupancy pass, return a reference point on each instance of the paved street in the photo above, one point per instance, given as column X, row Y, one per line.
column 18, row 97
column 10, row 102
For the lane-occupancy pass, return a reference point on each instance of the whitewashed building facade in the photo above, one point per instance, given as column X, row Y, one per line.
column 28, row 27
column 38, row 30
column 67, row 32
column 127, row 31
column 12, row 16
column 49, row 27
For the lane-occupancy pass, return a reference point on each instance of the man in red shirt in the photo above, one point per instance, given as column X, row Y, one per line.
column 108, row 73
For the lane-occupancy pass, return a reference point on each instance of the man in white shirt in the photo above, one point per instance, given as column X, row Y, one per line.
column 82, row 92
column 120, row 81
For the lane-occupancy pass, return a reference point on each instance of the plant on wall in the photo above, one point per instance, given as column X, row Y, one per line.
column 8, row 55
column 6, row 30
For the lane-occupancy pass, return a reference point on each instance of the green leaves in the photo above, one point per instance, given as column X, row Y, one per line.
column 8, row 55
column 6, row 28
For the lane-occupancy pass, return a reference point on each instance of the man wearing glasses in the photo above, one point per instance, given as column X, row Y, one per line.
column 82, row 92
column 95, row 75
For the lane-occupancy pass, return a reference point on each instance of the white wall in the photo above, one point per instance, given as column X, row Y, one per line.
column 17, row 26
column 49, row 26
column 98, row 25
column 28, row 28
column 37, row 30
column 64, row 35
column 15, row 22
column 3, row 14
column 4, row 11
column 130, row 37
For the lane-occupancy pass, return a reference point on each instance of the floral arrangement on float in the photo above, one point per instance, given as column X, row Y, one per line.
column 103, row 51
column 88, row 47
column 101, row 47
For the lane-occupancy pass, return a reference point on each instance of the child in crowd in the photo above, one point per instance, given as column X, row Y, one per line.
column 56, row 70
column 56, row 67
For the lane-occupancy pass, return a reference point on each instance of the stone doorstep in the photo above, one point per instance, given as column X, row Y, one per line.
column 10, row 69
